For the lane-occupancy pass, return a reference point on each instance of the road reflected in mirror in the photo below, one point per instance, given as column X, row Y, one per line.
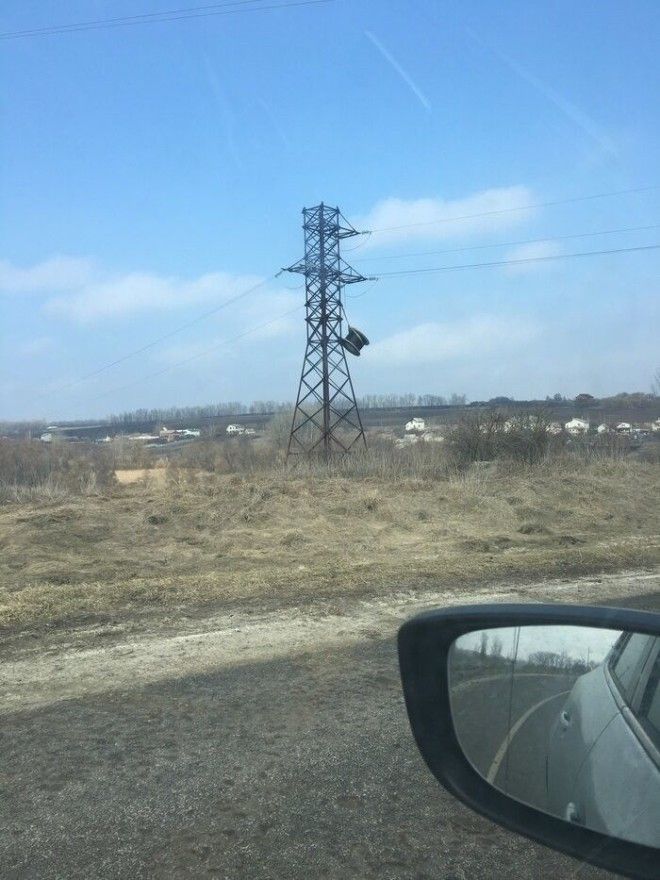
column 565, row 719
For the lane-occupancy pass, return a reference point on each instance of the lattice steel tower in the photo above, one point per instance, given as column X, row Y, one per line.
column 326, row 419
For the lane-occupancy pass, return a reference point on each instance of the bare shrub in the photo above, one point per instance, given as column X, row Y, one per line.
column 32, row 469
column 650, row 453
column 202, row 455
column 608, row 445
column 278, row 429
column 129, row 454
column 479, row 444
column 380, row 461
column 492, row 436
column 237, row 455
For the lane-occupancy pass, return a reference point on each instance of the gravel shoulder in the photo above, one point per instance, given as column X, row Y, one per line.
column 262, row 745
column 47, row 668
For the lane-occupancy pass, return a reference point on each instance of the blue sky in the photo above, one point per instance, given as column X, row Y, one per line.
column 151, row 172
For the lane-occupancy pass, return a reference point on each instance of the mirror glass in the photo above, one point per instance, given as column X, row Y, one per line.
column 565, row 719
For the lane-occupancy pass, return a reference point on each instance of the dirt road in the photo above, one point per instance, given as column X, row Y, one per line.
column 260, row 745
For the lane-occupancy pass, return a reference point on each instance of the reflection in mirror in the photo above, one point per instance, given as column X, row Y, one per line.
column 565, row 719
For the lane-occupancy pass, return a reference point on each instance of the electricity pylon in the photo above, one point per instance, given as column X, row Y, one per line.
column 326, row 419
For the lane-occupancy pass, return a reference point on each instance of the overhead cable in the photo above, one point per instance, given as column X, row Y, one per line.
column 479, row 247
column 215, row 9
column 494, row 212
column 648, row 247
column 159, row 339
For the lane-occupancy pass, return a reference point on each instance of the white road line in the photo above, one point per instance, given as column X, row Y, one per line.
column 501, row 752
column 463, row 684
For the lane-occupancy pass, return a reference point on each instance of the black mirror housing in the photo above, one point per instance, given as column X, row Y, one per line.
column 424, row 644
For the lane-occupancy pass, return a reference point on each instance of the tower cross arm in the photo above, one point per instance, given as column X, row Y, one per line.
column 344, row 273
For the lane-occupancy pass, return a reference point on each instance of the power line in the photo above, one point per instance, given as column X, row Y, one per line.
column 572, row 200
column 360, row 295
column 479, row 247
column 199, row 354
column 360, row 245
column 250, row 290
column 262, row 283
column 647, row 247
column 127, row 19
column 159, row 339
column 158, row 17
column 279, row 317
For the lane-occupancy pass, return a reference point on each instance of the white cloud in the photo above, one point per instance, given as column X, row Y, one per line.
column 53, row 275
column 489, row 210
column 145, row 292
column 86, row 294
column 437, row 342
column 533, row 251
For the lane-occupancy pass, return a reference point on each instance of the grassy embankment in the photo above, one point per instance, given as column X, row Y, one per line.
column 192, row 538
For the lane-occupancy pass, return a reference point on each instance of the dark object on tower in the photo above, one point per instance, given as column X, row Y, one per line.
column 354, row 341
column 326, row 419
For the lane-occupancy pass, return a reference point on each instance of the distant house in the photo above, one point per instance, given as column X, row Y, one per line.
column 624, row 428
column 168, row 434
column 46, row 438
column 554, row 428
column 603, row 429
column 235, row 429
column 416, row 424
column 655, row 426
column 577, row 426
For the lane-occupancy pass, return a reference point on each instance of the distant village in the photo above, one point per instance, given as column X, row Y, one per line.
column 416, row 429
column 163, row 436
column 402, row 420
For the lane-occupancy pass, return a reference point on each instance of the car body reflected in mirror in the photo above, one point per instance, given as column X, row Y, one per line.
column 545, row 719
column 565, row 719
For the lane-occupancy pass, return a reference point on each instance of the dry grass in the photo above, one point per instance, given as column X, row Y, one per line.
column 200, row 538
column 128, row 476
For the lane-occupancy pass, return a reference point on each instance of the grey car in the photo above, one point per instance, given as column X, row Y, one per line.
column 604, row 747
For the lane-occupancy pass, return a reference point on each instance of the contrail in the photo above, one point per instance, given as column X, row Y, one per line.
column 414, row 88
column 577, row 116
column 274, row 121
column 225, row 109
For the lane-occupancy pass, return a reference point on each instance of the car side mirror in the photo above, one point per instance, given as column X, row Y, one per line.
column 545, row 719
